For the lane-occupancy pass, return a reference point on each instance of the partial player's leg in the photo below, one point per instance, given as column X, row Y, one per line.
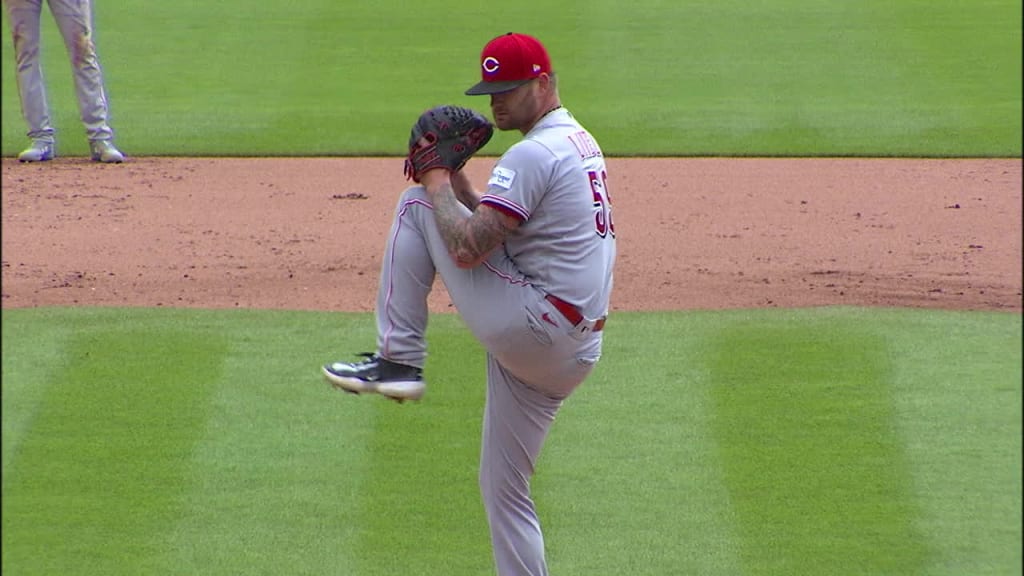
column 406, row 278
column 494, row 299
column 74, row 19
column 414, row 255
column 24, row 20
column 517, row 419
column 504, row 312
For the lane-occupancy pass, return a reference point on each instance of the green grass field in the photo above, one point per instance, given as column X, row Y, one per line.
column 786, row 77
column 826, row 441
column 802, row 442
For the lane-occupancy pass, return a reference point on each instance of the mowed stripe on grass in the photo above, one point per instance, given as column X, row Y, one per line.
column 630, row 476
column 720, row 442
column 422, row 512
column 182, row 442
column 811, row 454
column 98, row 476
column 833, row 440
column 276, row 481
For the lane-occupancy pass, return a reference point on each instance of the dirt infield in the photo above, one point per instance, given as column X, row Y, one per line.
column 301, row 233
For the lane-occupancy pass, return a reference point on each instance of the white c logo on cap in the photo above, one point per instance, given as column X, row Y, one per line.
column 490, row 64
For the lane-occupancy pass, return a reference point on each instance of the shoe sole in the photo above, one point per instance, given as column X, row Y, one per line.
column 399, row 390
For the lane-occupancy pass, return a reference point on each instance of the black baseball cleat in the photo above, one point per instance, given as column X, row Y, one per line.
column 396, row 381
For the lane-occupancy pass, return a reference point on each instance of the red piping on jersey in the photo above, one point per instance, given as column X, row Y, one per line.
column 506, row 206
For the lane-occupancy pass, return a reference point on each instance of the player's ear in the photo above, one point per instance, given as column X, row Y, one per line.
column 546, row 82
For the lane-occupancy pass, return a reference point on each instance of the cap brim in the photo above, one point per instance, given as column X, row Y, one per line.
column 495, row 87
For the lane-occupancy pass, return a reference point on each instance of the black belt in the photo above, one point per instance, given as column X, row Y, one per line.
column 571, row 313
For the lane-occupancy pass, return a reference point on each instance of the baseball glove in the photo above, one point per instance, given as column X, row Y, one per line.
column 445, row 137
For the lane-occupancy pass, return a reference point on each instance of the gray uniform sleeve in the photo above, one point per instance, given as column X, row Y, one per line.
column 520, row 179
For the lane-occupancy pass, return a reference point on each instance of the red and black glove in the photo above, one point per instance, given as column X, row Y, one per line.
column 445, row 137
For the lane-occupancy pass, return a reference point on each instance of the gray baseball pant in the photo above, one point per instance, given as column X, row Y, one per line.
column 531, row 366
column 74, row 19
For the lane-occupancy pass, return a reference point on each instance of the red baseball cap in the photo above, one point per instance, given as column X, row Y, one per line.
column 509, row 61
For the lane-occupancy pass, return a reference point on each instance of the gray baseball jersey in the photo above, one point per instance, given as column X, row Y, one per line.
column 74, row 19
column 554, row 181
column 537, row 305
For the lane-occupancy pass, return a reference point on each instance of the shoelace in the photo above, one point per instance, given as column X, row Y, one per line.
column 371, row 357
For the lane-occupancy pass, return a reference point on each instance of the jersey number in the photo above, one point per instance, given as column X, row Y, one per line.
column 602, row 204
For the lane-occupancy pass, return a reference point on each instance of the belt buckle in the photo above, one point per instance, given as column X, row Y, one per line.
column 584, row 328
column 581, row 325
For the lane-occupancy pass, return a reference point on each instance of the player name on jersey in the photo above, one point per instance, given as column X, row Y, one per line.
column 585, row 145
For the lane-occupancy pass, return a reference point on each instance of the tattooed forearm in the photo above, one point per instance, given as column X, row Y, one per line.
column 464, row 190
column 469, row 239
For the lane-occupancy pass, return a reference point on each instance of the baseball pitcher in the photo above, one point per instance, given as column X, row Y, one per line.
column 527, row 262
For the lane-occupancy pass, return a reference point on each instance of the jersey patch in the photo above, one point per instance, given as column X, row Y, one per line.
column 502, row 177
